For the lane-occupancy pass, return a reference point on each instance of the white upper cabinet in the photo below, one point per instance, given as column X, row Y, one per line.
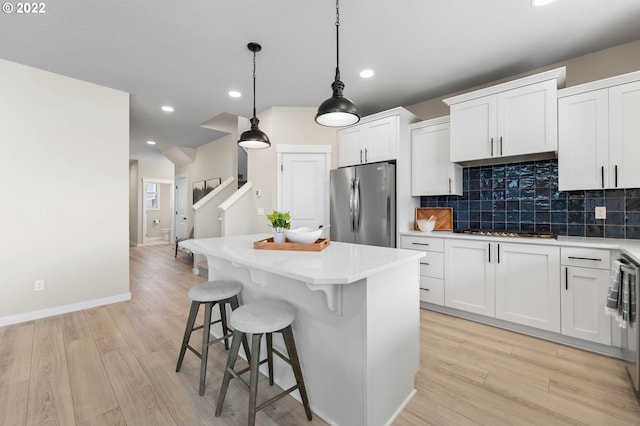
column 599, row 134
column 432, row 172
column 510, row 119
column 369, row 142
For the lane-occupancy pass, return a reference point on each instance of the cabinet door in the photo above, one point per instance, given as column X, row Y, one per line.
column 528, row 120
column 469, row 272
column 583, row 128
column 381, row 140
column 624, row 135
column 584, row 294
column 528, row 285
column 349, row 143
column 473, row 129
column 432, row 173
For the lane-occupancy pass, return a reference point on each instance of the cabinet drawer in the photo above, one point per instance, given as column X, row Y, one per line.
column 432, row 290
column 586, row 258
column 423, row 243
column 432, row 265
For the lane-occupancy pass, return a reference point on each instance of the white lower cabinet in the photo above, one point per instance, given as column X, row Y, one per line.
column 513, row 282
column 469, row 269
column 528, row 285
column 431, row 267
column 584, row 294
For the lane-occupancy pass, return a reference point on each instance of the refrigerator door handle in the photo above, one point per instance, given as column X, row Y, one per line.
column 356, row 202
column 352, row 205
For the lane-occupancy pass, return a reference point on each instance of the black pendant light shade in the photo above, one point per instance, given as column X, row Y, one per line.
column 254, row 137
column 337, row 111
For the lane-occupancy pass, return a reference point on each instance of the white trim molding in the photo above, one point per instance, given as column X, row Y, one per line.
column 44, row 313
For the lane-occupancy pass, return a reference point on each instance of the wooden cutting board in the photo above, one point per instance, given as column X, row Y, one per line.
column 444, row 217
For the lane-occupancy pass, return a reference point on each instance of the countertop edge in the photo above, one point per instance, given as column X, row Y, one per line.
column 629, row 247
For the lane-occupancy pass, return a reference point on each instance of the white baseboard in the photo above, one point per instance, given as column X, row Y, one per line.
column 34, row 315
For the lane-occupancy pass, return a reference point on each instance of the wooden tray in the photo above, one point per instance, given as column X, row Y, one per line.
column 444, row 215
column 268, row 244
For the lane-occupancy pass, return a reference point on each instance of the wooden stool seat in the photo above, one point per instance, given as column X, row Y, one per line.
column 258, row 318
column 210, row 293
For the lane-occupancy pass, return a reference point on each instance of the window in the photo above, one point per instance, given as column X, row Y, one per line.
column 151, row 196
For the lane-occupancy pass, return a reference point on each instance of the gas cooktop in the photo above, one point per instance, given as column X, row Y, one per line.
column 504, row 233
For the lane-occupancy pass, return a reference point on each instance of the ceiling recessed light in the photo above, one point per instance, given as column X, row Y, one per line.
column 167, row 108
column 151, row 142
column 541, row 2
column 235, row 94
column 366, row 73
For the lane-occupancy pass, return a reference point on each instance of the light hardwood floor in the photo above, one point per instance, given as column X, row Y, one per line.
column 115, row 365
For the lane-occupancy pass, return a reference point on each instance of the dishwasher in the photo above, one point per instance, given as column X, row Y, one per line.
column 631, row 335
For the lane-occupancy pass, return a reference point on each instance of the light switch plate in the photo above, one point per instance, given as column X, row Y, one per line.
column 601, row 212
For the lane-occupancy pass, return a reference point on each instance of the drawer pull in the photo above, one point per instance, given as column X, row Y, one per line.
column 420, row 244
column 425, row 289
column 585, row 258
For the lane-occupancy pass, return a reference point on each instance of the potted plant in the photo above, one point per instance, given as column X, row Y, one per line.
column 279, row 222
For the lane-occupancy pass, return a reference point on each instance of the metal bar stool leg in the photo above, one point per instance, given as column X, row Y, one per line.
column 290, row 343
column 270, row 357
column 206, row 329
column 245, row 344
column 231, row 362
column 253, row 383
column 193, row 313
column 223, row 319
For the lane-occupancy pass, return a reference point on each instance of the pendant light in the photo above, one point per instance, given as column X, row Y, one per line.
column 337, row 111
column 254, row 137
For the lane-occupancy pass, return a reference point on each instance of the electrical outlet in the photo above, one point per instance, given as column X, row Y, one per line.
column 39, row 285
column 601, row 212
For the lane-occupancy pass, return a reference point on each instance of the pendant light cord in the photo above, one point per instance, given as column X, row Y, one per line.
column 254, row 83
column 337, row 40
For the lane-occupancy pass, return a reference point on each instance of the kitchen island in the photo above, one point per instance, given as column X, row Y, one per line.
column 357, row 325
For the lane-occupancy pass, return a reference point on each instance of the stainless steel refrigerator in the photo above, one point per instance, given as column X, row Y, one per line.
column 363, row 204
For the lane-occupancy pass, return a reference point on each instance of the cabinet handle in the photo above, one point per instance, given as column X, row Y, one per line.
column 366, row 155
column 489, row 252
column 498, row 253
column 616, row 174
column 426, row 264
column 360, row 156
column 602, row 176
column 420, row 244
column 449, row 185
column 566, row 278
column 492, row 147
column 500, row 145
column 585, row 258
column 425, row 289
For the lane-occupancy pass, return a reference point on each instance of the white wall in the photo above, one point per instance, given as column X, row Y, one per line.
column 216, row 159
column 291, row 126
column 64, row 156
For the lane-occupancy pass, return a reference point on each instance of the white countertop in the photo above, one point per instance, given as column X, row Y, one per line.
column 339, row 263
column 627, row 246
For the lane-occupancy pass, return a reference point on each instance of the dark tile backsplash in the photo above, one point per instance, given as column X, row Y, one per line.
column 525, row 196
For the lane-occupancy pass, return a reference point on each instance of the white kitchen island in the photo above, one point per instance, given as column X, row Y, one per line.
column 357, row 327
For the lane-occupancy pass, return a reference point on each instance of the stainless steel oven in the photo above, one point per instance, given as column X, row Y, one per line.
column 631, row 335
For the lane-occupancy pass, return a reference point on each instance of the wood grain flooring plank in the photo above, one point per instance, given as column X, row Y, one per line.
column 104, row 331
column 137, row 398
column 111, row 418
column 15, row 354
column 179, row 394
column 13, row 403
column 50, row 400
column 75, row 326
column 90, row 385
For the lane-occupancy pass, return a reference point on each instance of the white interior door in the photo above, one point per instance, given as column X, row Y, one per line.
column 181, row 219
column 303, row 187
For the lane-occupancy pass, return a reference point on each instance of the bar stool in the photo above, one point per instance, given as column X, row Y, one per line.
column 264, row 317
column 210, row 293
